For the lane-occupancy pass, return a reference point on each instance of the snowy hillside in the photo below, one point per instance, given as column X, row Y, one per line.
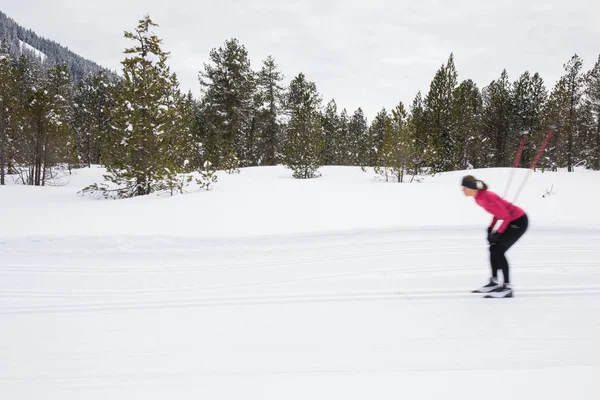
column 267, row 287
column 35, row 51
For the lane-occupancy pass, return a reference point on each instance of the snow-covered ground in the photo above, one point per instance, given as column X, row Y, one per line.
column 268, row 287
column 35, row 51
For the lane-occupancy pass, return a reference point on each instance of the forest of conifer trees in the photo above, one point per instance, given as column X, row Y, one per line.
column 147, row 132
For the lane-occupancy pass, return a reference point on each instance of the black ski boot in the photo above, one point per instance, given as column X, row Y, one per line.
column 491, row 286
column 501, row 292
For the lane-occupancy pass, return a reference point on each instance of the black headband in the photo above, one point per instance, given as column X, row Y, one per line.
column 470, row 184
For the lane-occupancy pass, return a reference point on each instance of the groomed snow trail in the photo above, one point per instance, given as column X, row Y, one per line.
column 381, row 314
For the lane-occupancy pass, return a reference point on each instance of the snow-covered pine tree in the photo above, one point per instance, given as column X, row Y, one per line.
column 141, row 151
column 48, row 139
column 25, row 79
column 304, row 141
column 93, row 102
column 208, row 176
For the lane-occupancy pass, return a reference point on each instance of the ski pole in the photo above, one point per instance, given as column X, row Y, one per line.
column 535, row 160
column 516, row 163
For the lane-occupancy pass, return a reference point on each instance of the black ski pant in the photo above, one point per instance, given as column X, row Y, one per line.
column 515, row 230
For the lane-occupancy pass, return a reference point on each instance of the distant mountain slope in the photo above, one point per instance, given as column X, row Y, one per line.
column 47, row 51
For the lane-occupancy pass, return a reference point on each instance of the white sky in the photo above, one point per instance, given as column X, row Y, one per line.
column 368, row 54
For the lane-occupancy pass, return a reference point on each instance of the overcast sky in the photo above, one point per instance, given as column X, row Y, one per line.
column 368, row 54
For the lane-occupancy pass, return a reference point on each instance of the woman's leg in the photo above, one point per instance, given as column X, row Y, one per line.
column 515, row 230
column 494, row 262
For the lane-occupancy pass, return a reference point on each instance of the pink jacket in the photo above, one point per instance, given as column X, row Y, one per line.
column 499, row 208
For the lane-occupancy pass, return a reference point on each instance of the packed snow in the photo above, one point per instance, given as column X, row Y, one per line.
column 267, row 287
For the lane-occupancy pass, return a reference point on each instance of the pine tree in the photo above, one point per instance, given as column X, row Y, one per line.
column 48, row 137
column 438, row 105
column 304, row 141
column 7, row 106
column 229, row 88
column 374, row 140
column 587, row 126
column 418, row 127
column 592, row 97
column 345, row 143
column 27, row 76
column 563, row 109
column 93, row 102
column 331, row 134
column 208, row 176
column 498, row 120
column 140, row 152
column 357, row 137
column 467, row 119
column 529, row 97
column 575, row 82
column 396, row 153
column 271, row 94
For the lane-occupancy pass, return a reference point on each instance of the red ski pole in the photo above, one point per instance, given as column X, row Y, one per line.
column 521, row 147
column 536, row 159
column 542, row 147
column 517, row 159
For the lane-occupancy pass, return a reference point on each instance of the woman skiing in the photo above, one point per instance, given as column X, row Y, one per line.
column 512, row 228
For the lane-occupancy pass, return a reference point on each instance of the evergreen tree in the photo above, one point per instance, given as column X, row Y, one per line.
column 498, row 120
column 345, row 145
column 47, row 138
column 592, row 96
column 587, row 128
column 27, row 76
column 208, row 176
column 438, row 105
column 7, row 106
column 271, row 94
column 467, row 119
column 93, row 103
column 331, row 133
column 563, row 109
column 574, row 80
column 418, row 127
column 374, row 140
column 141, row 150
column 357, row 137
column 529, row 99
column 229, row 87
column 396, row 153
column 304, row 141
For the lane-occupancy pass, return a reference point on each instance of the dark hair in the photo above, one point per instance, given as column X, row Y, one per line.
column 474, row 183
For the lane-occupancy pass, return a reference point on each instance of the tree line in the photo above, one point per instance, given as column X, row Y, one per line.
column 149, row 134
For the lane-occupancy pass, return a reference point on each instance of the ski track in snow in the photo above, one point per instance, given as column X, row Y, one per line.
column 155, row 317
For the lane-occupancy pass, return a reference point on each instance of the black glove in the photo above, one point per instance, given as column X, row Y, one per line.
column 494, row 238
column 489, row 230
